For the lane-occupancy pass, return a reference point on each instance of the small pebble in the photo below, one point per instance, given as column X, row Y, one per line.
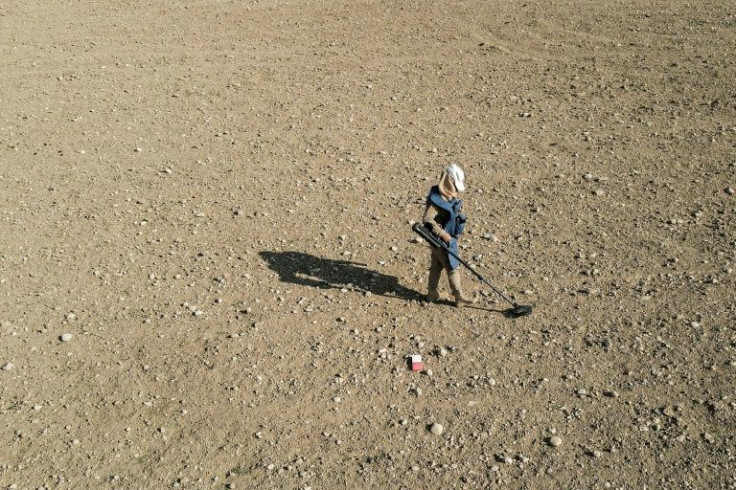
column 555, row 441
column 437, row 429
column 8, row 366
column 66, row 337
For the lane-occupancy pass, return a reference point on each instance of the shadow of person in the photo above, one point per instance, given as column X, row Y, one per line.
column 318, row 272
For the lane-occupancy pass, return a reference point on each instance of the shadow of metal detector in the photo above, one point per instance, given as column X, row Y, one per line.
column 516, row 309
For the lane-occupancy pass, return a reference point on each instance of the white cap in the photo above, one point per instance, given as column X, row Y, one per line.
column 458, row 176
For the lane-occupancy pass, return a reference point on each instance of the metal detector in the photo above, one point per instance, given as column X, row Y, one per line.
column 516, row 311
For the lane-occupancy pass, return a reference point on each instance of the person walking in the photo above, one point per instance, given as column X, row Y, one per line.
column 444, row 219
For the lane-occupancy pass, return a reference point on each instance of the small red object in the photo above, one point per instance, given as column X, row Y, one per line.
column 416, row 363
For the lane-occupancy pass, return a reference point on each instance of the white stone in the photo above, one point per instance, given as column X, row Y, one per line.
column 437, row 429
column 66, row 337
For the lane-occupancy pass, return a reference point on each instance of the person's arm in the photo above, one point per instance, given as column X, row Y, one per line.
column 430, row 214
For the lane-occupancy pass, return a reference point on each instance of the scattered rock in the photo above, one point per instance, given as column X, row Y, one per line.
column 554, row 441
column 437, row 429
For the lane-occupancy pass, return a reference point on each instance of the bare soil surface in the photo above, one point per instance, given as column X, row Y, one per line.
column 214, row 199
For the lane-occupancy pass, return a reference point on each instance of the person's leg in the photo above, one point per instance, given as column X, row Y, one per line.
column 452, row 275
column 457, row 289
column 435, row 271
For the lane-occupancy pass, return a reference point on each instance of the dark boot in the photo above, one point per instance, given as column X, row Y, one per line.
column 433, row 296
column 461, row 300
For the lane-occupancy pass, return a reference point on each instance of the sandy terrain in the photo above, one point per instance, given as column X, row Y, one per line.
column 214, row 199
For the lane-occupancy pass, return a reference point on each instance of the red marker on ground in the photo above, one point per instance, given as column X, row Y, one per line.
column 416, row 363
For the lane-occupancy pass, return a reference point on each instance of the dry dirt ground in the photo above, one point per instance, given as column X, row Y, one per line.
column 214, row 199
